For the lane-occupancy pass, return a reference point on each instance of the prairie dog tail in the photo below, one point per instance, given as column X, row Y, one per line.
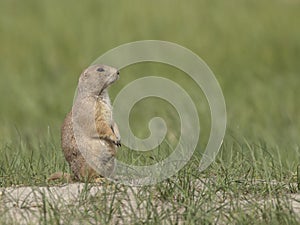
column 60, row 176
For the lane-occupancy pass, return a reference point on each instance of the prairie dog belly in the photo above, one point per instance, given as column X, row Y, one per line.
column 104, row 112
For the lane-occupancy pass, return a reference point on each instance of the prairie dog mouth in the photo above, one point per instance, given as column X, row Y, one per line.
column 110, row 81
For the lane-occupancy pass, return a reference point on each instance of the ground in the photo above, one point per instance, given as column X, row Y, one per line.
column 24, row 205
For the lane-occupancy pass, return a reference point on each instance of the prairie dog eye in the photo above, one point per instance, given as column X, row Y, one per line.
column 100, row 69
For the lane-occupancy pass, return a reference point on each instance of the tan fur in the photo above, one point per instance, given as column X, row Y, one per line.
column 99, row 137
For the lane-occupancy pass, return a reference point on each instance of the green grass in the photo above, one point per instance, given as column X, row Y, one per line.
column 254, row 50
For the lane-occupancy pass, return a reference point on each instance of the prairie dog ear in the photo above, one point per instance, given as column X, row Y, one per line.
column 83, row 75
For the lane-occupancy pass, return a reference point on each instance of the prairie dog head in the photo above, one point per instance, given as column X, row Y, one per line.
column 97, row 78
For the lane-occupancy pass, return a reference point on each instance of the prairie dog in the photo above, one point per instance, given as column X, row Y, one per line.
column 89, row 135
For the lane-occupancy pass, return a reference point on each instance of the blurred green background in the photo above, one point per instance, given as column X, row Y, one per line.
column 252, row 46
